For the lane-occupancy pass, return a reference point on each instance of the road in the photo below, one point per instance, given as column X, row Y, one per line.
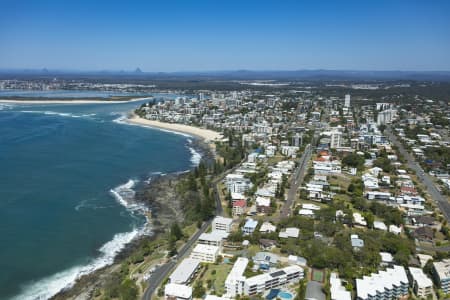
column 296, row 181
column 426, row 179
column 161, row 273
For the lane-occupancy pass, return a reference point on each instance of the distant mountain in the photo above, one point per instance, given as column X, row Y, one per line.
column 328, row 75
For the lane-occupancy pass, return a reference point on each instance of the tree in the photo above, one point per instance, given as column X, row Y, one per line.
column 175, row 231
column 354, row 160
column 199, row 290
column 128, row 290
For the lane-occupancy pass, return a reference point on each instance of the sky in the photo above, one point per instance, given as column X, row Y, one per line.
column 168, row 36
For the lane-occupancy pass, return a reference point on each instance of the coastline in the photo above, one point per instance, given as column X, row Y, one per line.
column 71, row 101
column 205, row 134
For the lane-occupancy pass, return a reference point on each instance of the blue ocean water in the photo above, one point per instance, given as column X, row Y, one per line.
column 63, row 169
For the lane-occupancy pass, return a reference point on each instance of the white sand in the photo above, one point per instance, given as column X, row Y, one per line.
column 206, row 134
column 70, row 101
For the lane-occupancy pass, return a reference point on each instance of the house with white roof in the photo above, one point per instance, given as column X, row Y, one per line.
column 395, row 229
column 359, row 219
column 310, row 206
column 249, row 226
column 306, row 212
column 267, row 227
column 386, row 259
column 356, row 242
column 290, row 232
column 380, row 225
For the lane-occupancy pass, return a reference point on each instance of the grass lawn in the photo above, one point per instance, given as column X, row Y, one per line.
column 218, row 277
column 275, row 159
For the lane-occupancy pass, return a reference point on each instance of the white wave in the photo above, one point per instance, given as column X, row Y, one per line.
column 195, row 156
column 6, row 106
column 124, row 193
column 54, row 113
column 50, row 286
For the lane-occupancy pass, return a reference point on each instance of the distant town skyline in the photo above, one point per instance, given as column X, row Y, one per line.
column 177, row 36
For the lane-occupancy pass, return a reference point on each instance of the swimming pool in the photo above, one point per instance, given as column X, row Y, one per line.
column 285, row 295
column 276, row 293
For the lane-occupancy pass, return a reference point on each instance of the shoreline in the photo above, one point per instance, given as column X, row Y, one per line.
column 71, row 101
column 205, row 134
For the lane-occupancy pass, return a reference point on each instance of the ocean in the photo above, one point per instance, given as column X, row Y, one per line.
column 67, row 173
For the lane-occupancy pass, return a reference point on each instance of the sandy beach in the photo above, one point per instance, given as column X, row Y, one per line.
column 205, row 134
column 70, row 101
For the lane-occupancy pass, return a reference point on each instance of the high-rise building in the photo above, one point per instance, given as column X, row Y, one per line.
column 336, row 137
column 347, row 100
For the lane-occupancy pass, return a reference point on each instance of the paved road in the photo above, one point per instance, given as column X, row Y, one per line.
column 296, row 181
column 297, row 178
column 160, row 273
column 426, row 179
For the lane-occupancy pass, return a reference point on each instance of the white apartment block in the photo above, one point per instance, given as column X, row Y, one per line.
column 385, row 285
column 205, row 253
column 336, row 139
column 441, row 273
column 237, row 183
column 234, row 284
column 185, row 271
column 222, row 224
column 267, row 281
column 213, row 238
column 338, row 291
column 422, row 285
column 237, row 284
column 174, row 291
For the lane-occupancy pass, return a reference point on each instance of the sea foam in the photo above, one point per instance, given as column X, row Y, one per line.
column 51, row 285
column 54, row 113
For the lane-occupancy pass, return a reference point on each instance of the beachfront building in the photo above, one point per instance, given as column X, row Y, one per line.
column 276, row 279
column 185, row 271
column 422, row 285
column 385, row 285
column 222, row 224
column 174, row 291
column 234, row 284
column 441, row 273
column 205, row 253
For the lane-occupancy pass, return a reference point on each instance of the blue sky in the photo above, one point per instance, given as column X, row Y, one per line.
column 225, row 35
